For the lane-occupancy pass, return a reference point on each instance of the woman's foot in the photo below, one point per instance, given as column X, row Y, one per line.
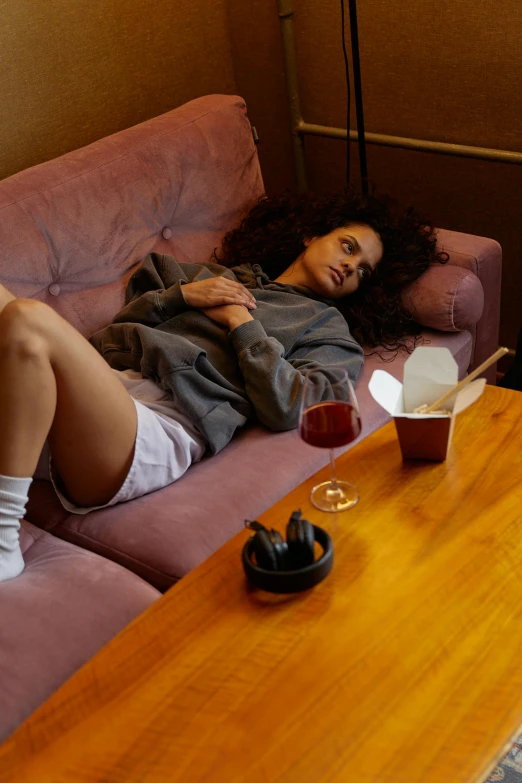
column 13, row 500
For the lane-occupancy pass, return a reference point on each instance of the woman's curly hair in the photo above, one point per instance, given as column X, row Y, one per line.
column 273, row 235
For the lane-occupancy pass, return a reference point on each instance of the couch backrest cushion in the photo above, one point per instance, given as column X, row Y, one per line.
column 73, row 229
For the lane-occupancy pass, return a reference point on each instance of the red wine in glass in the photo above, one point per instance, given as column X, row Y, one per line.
column 329, row 419
column 330, row 424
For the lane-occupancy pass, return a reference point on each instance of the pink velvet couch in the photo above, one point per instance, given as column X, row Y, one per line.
column 71, row 233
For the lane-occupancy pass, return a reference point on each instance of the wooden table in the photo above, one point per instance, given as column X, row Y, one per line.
column 404, row 666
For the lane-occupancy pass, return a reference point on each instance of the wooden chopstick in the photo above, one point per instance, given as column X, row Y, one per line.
column 471, row 377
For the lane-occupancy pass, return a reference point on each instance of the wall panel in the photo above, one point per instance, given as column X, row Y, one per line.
column 75, row 71
column 258, row 68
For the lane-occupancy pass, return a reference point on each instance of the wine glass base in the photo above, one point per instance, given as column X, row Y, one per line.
column 334, row 497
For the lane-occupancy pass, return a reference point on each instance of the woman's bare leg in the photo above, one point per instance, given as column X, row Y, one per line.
column 55, row 385
column 5, row 297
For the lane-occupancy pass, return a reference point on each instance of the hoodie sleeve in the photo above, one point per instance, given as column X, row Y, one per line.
column 154, row 291
column 275, row 384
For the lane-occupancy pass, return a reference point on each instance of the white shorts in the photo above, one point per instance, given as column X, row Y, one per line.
column 164, row 451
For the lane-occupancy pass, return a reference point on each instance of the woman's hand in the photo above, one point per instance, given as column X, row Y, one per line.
column 230, row 316
column 216, row 291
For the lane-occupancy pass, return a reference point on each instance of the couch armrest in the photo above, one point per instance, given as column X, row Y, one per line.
column 483, row 257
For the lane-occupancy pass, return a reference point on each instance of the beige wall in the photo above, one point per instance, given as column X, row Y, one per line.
column 258, row 68
column 75, row 71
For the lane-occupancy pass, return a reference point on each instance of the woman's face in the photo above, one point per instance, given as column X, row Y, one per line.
column 334, row 265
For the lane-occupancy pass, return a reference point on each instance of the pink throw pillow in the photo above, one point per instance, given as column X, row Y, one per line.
column 445, row 297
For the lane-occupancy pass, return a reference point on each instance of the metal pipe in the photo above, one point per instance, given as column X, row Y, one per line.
column 285, row 10
column 460, row 150
column 299, row 128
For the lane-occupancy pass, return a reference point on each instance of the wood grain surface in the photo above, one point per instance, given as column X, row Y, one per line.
column 403, row 666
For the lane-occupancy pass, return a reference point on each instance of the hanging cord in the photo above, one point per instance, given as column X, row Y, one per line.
column 348, row 89
column 356, row 63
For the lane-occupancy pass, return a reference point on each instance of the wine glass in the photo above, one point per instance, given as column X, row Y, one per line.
column 329, row 418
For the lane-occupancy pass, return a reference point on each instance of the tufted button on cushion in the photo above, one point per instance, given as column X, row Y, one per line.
column 166, row 233
column 54, row 289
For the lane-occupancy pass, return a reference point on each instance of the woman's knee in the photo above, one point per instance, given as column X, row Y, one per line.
column 22, row 325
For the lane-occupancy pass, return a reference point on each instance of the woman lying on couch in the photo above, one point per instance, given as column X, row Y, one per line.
column 198, row 351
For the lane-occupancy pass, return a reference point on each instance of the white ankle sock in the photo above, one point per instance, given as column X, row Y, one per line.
column 13, row 500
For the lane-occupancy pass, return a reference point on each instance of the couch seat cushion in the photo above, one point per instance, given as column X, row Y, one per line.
column 65, row 606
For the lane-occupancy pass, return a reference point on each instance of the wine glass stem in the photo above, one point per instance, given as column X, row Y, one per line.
column 333, row 475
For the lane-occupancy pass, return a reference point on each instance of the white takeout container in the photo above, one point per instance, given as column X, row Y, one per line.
column 428, row 374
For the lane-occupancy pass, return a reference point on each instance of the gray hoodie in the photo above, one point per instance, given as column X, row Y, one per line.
column 221, row 379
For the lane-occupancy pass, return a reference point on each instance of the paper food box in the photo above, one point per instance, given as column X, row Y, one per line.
column 428, row 374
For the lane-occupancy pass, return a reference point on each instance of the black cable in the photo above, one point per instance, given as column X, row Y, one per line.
column 358, row 96
column 347, row 72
